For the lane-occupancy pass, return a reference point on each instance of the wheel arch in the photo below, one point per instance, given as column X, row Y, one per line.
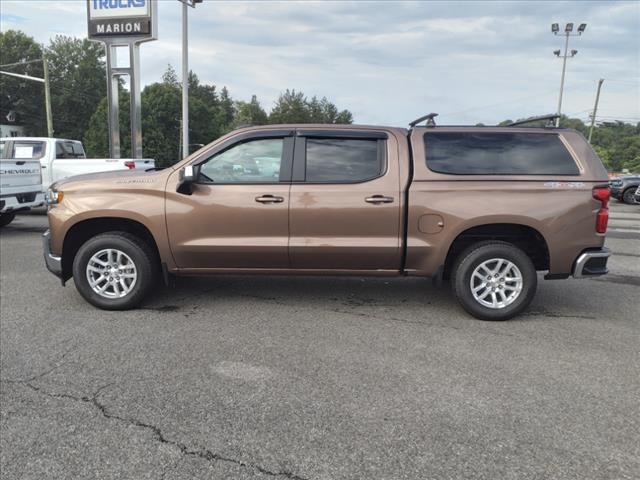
column 523, row 236
column 83, row 230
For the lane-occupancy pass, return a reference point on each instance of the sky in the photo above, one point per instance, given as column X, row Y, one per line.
column 391, row 62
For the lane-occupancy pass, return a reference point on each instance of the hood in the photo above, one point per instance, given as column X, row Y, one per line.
column 116, row 178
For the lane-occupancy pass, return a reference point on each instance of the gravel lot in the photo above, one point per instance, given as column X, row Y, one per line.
column 318, row 378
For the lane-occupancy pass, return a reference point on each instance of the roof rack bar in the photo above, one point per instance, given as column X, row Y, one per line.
column 429, row 118
column 550, row 118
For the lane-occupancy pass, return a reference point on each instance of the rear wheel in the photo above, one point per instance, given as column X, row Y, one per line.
column 494, row 280
column 627, row 196
column 115, row 271
column 6, row 218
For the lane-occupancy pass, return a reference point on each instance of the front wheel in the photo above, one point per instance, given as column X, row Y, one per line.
column 6, row 218
column 494, row 280
column 628, row 196
column 115, row 270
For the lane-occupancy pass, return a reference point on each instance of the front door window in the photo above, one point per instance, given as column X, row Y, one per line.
column 256, row 161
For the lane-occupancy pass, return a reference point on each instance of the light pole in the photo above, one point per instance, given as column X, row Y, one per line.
column 595, row 109
column 185, row 73
column 567, row 33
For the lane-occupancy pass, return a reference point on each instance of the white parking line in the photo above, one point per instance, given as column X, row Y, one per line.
column 624, row 230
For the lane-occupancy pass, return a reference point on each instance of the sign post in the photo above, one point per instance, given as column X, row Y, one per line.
column 123, row 24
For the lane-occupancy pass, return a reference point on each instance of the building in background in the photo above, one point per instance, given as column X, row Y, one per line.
column 10, row 125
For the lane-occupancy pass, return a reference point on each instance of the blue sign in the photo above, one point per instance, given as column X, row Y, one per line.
column 114, row 4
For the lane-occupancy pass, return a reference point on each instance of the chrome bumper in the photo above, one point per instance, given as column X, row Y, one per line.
column 592, row 263
column 53, row 262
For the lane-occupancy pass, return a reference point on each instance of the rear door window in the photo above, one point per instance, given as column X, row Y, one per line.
column 339, row 160
column 478, row 153
column 69, row 149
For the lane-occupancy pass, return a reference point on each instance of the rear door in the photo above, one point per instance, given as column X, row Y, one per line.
column 345, row 201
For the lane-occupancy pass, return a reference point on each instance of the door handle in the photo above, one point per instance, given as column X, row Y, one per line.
column 269, row 199
column 377, row 199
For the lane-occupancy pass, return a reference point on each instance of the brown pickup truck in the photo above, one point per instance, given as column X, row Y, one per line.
column 481, row 207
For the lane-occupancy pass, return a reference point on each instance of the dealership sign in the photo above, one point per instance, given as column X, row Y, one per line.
column 120, row 18
column 122, row 26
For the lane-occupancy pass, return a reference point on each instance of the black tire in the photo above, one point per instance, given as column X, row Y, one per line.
column 139, row 252
column 6, row 218
column 627, row 196
column 474, row 256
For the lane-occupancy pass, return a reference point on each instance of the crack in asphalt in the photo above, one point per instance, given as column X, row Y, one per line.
column 53, row 367
column 203, row 453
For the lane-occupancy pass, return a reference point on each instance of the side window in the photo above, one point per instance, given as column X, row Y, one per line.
column 60, row 153
column 2, row 149
column 28, row 150
column 334, row 160
column 69, row 149
column 255, row 161
column 478, row 153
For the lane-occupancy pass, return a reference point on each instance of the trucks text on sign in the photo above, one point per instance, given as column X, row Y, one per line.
column 118, row 8
column 119, row 18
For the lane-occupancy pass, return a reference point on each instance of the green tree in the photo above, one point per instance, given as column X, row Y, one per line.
column 227, row 110
column 206, row 116
column 96, row 137
column 170, row 77
column 291, row 107
column 249, row 113
column 294, row 107
column 161, row 121
column 24, row 97
column 77, row 73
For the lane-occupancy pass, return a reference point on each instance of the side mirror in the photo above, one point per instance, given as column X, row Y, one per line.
column 186, row 177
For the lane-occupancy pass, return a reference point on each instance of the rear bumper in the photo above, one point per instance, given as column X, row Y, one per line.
column 16, row 203
column 592, row 263
column 53, row 262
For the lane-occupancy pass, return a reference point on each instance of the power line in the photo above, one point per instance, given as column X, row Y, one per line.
column 21, row 63
column 513, row 100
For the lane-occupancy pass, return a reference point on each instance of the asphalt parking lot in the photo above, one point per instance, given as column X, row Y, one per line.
column 318, row 378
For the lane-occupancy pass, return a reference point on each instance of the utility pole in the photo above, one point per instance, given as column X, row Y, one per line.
column 185, row 73
column 595, row 109
column 185, row 80
column 567, row 33
column 47, row 94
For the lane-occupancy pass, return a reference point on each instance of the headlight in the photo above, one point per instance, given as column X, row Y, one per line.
column 53, row 197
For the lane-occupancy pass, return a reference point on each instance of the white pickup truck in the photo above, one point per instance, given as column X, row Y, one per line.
column 61, row 158
column 20, row 187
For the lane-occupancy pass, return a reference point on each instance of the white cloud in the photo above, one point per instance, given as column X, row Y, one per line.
column 390, row 62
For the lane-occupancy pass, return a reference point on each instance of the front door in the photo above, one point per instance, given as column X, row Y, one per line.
column 236, row 216
column 345, row 206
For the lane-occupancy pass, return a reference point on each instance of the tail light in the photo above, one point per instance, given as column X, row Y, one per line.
column 130, row 164
column 602, row 194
